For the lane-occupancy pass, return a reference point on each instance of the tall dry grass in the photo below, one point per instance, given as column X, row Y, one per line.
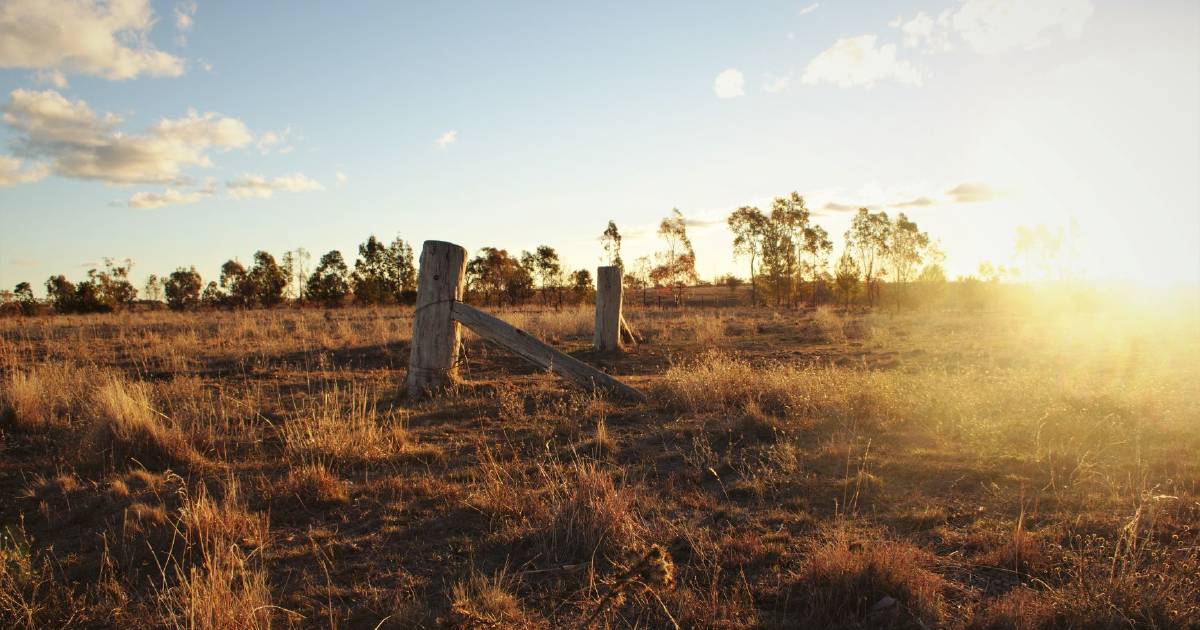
column 487, row 601
column 346, row 425
column 219, row 581
column 871, row 581
column 551, row 325
column 800, row 466
column 126, row 429
column 45, row 395
column 166, row 342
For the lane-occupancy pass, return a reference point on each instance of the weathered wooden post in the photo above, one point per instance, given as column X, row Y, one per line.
column 607, row 336
column 436, row 335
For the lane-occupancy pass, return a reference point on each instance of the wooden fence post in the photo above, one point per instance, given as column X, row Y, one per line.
column 607, row 336
column 526, row 346
column 432, row 364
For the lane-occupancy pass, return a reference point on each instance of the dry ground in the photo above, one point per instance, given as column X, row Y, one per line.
column 793, row 469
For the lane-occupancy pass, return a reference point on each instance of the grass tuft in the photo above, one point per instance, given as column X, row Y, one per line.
column 128, row 430
column 845, row 580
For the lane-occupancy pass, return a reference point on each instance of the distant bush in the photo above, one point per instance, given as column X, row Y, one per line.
column 329, row 284
column 384, row 274
column 102, row 292
column 182, row 288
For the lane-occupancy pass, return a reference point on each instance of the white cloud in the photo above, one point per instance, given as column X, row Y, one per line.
column 932, row 35
column 275, row 141
column 920, row 196
column 77, row 143
column 168, row 197
column 996, row 26
column 915, row 202
column 109, row 40
column 51, row 77
column 268, row 140
column 341, row 179
column 446, row 139
column 775, row 84
column 856, row 61
column 809, row 9
column 729, row 83
column 185, row 18
column 971, row 192
column 12, row 174
column 185, row 13
column 249, row 185
column 210, row 187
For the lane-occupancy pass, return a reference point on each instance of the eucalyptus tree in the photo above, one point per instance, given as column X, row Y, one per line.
column 677, row 267
column 611, row 240
column 868, row 241
column 183, row 288
column 749, row 227
column 815, row 252
column 329, row 283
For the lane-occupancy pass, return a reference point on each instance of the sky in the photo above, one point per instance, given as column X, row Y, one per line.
column 188, row 133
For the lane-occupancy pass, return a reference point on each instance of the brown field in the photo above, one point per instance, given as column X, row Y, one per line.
column 793, row 468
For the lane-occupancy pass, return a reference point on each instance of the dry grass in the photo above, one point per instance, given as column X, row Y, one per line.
column 45, row 395
column 716, row 381
column 848, row 580
column 347, row 426
column 486, row 601
column 552, row 325
column 219, row 582
column 795, row 468
column 31, row 594
column 128, row 430
column 590, row 517
column 313, row 485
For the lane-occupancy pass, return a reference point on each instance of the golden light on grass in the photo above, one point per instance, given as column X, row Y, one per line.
column 845, row 465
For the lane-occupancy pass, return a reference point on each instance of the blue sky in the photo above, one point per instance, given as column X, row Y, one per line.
column 277, row 125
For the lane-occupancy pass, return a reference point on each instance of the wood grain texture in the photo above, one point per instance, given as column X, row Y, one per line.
column 432, row 362
column 607, row 334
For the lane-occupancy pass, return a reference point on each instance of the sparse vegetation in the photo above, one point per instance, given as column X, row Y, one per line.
column 814, row 467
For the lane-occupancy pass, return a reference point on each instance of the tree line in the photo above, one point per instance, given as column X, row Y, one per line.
column 788, row 254
column 382, row 274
